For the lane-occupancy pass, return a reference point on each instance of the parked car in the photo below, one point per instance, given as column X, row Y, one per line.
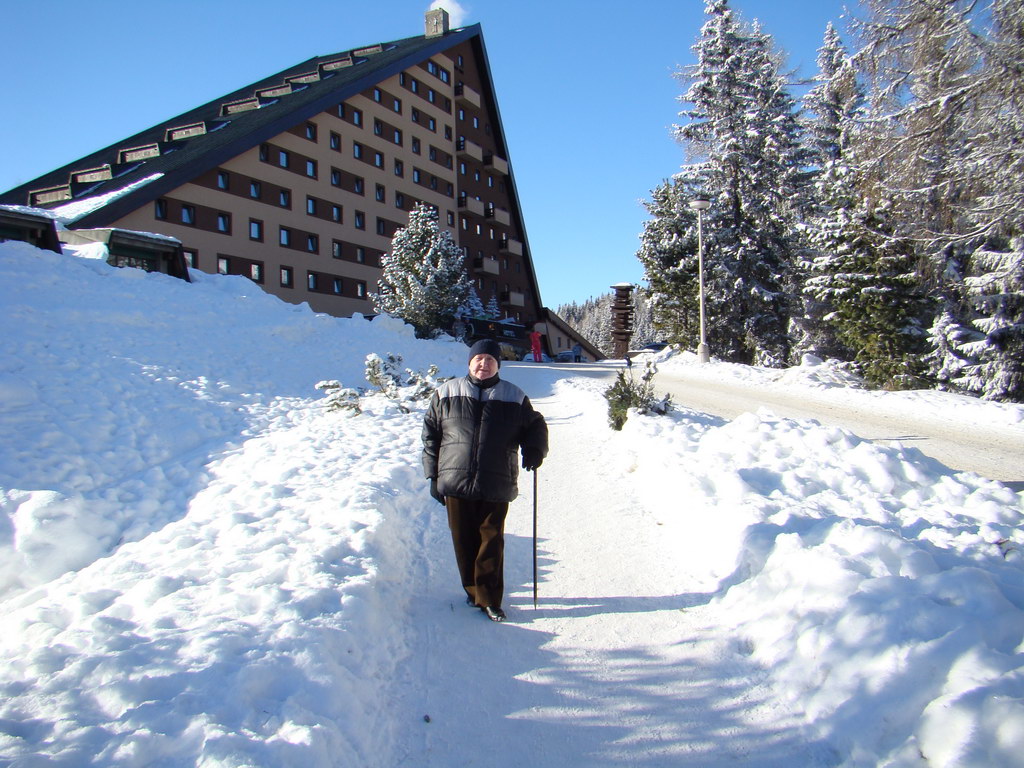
column 565, row 356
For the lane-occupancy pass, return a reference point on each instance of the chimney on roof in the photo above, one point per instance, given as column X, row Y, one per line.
column 436, row 22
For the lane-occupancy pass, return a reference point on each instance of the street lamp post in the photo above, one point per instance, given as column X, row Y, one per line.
column 700, row 206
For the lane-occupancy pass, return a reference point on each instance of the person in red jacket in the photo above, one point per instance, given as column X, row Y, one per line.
column 473, row 431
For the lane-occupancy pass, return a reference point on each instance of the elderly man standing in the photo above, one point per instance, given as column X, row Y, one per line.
column 472, row 434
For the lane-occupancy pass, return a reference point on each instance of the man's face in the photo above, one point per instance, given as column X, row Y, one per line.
column 483, row 366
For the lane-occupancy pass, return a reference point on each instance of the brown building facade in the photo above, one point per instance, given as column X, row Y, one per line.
column 299, row 181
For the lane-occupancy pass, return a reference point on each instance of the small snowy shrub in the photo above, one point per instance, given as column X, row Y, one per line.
column 628, row 393
column 382, row 373
column 339, row 398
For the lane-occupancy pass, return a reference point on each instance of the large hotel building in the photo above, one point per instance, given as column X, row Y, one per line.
column 299, row 181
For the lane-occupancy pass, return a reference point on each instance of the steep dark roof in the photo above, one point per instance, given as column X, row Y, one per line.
column 228, row 135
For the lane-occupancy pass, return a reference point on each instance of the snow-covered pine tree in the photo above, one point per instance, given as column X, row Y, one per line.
column 425, row 280
column 833, row 109
column 668, row 253
column 742, row 124
column 493, row 310
column 996, row 293
column 473, row 307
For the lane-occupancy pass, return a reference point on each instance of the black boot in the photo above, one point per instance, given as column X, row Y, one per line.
column 494, row 613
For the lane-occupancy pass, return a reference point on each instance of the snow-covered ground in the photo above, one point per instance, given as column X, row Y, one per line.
column 201, row 566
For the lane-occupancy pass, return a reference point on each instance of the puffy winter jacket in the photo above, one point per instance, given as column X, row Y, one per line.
column 471, row 437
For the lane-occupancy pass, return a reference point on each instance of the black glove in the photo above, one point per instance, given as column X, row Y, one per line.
column 532, row 458
column 434, row 492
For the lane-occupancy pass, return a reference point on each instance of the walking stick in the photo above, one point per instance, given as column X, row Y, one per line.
column 535, row 539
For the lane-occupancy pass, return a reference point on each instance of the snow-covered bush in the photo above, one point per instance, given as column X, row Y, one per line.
column 628, row 393
column 339, row 398
column 382, row 373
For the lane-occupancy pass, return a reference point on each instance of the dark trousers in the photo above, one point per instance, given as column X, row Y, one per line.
column 478, row 533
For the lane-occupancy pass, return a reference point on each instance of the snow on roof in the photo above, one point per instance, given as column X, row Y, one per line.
column 66, row 214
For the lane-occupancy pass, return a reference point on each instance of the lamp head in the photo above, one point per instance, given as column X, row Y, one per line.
column 700, row 205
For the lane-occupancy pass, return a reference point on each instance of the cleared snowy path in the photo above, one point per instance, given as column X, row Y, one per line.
column 617, row 666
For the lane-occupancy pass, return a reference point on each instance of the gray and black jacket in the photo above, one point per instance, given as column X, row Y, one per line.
column 472, row 433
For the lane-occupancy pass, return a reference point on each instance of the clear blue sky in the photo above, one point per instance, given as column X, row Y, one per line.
column 596, row 74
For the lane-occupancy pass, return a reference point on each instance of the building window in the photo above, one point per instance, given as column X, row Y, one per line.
column 283, row 159
column 160, row 209
column 398, row 137
column 378, row 128
column 360, row 254
column 284, row 198
column 311, row 168
column 397, row 106
column 255, row 230
column 378, row 159
column 336, row 141
column 357, row 117
column 224, row 223
column 416, row 175
column 381, row 193
column 361, row 290
column 256, row 272
column 188, row 214
column 312, row 243
column 285, row 236
column 377, row 95
column 311, row 206
column 335, row 177
column 255, row 188
column 360, row 222
column 311, row 131
column 358, row 185
column 286, row 277
column 191, row 259
column 311, row 281
column 432, row 124
column 357, row 150
column 399, row 200
column 223, row 180
column 337, row 250
column 382, row 227
column 415, row 145
column 336, row 213
column 264, row 152
column 451, row 218
column 415, row 115
column 399, row 168
column 336, row 285
column 223, row 265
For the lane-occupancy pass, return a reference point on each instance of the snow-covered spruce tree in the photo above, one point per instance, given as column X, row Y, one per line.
column 668, row 253
column 867, row 279
column 493, row 310
column 742, row 124
column 834, row 107
column 425, row 280
column 996, row 348
column 473, row 307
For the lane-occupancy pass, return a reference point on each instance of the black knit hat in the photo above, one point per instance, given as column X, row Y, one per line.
column 485, row 347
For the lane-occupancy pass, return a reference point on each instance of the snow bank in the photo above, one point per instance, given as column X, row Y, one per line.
column 119, row 386
column 884, row 592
